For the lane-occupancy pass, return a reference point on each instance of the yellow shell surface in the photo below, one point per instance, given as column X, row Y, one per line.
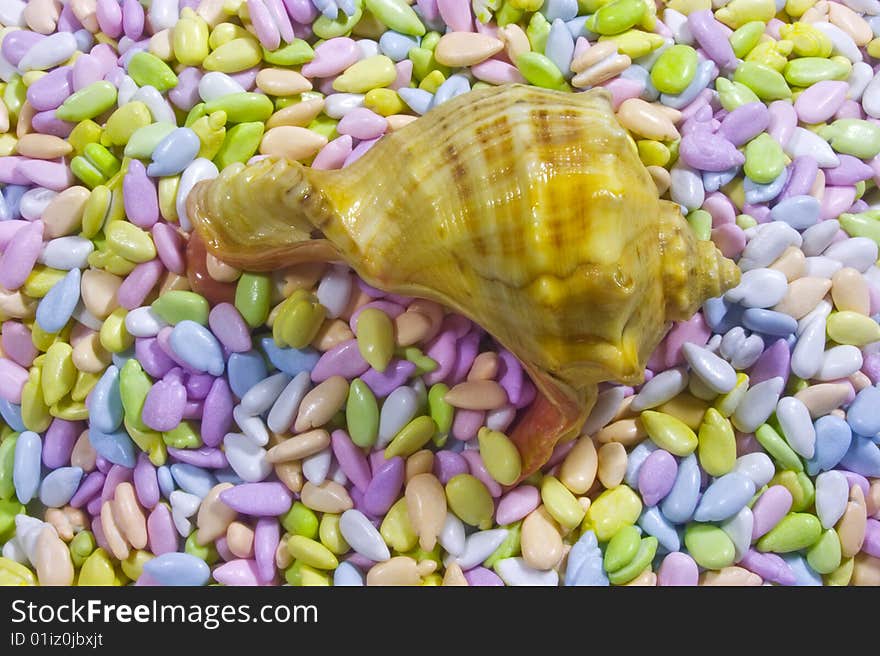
column 525, row 209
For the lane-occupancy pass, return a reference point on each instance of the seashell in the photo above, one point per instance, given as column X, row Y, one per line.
column 527, row 210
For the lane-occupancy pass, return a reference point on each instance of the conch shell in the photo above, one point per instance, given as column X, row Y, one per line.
column 526, row 210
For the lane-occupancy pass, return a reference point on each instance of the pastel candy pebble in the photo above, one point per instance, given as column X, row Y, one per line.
column 773, row 504
column 479, row 546
column 759, row 288
column 105, row 403
column 678, row 569
column 174, row 153
column 852, row 328
column 796, row 531
column 59, row 486
column 196, row 346
column 679, row 505
column 245, row 371
column 739, row 529
column 717, row 444
column 585, row 563
column 347, row 575
column 669, row 433
column 290, row 361
column 26, row 466
column 20, row 256
column 709, row 546
column 833, row 439
column 262, row 396
column 863, row 457
column 757, row 404
column 832, row 493
column 385, row 487
column 770, row 566
column 657, row 476
column 48, row 52
column 116, row 446
column 804, row 143
column 55, row 308
column 859, row 414
column 515, row 572
column 724, row 497
column 178, row 569
column 794, row 420
column 770, row 242
column 363, row 536
column 655, row 524
column 708, row 152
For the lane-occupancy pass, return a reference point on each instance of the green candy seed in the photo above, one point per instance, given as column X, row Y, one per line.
column 15, row 95
column 88, row 102
column 375, row 338
column 613, row 510
column 825, row 556
column 796, row 531
column 362, row 414
column 7, row 461
column 242, row 107
column 765, row 82
column 853, row 136
column 8, row 510
column 424, row 364
column 296, row 53
column 124, row 122
column 252, row 297
column 642, row 559
column 183, row 436
column 537, row 32
column 148, row 70
column 81, row 547
column 622, row 548
column 765, row 160
column 669, row 433
column 299, row 320
column 540, row 71
column 507, row 549
column 177, row 305
column 326, row 28
column 411, row 437
column 701, row 223
column 240, row 144
column 778, row 448
column 300, row 520
column 865, row 224
column 734, row 94
column 134, row 385
column 441, row 412
column 746, row 37
column 143, row 141
column 616, row 17
column 128, row 241
column 674, row 69
column 806, row 71
column 207, row 552
column 709, row 546
column 469, row 499
column 397, row 15
column 500, row 456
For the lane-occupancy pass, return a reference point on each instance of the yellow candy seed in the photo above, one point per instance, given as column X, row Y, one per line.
column 561, row 503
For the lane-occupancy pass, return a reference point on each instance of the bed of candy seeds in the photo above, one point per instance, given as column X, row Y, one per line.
column 168, row 419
